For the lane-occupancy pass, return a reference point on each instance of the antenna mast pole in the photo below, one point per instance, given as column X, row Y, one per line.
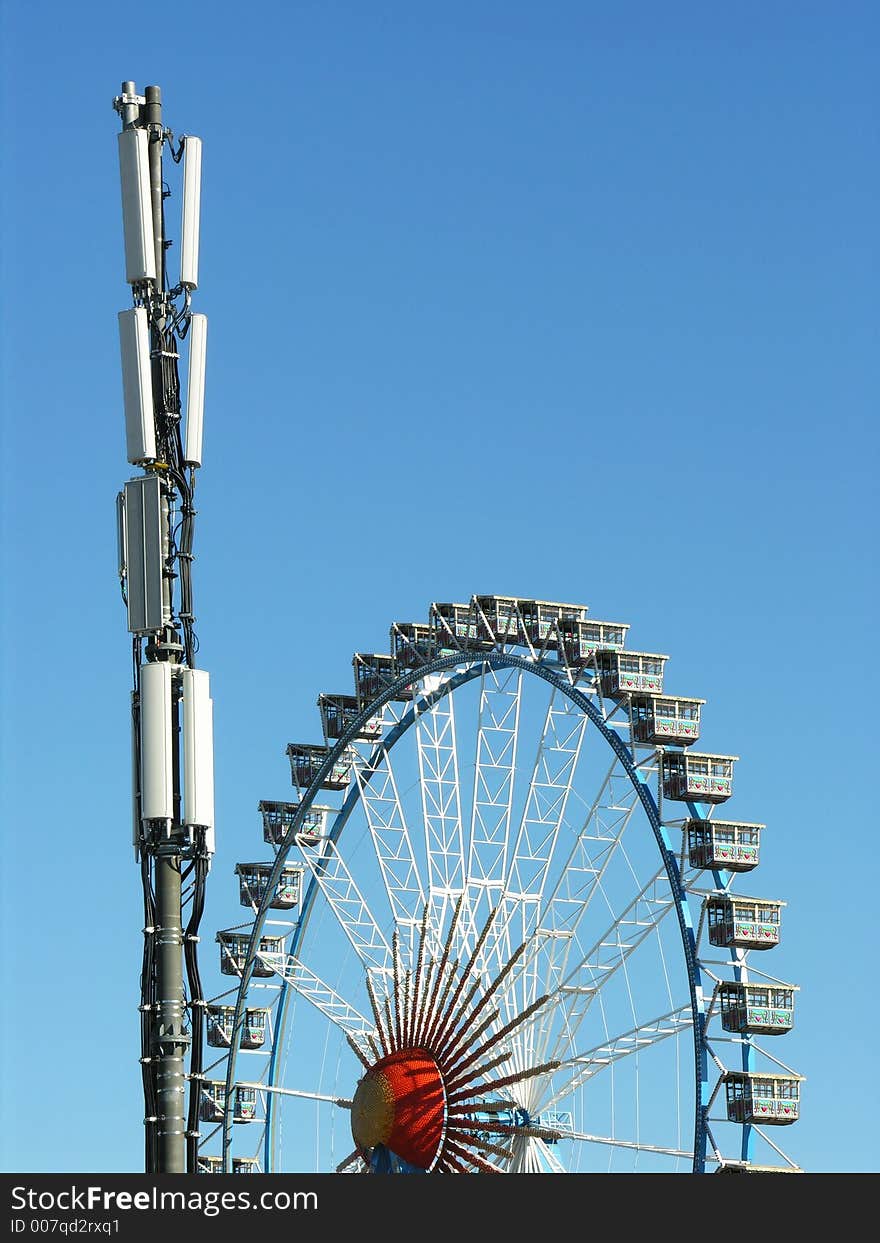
column 171, row 708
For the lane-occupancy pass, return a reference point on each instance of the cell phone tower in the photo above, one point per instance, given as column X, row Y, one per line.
column 171, row 707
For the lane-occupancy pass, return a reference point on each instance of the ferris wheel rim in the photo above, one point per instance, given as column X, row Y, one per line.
column 475, row 664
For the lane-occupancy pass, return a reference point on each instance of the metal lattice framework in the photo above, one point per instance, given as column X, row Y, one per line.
column 515, row 905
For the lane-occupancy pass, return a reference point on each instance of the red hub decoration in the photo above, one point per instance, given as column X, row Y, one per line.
column 400, row 1102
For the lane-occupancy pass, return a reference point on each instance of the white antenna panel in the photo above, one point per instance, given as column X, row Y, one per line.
column 136, row 829
column 198, row 750
column 195, row 389
column 189, row 230
column 137, row 385
column 137, row 211
column 157, row 770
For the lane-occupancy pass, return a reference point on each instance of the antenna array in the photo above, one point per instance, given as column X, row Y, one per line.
column 171, row 706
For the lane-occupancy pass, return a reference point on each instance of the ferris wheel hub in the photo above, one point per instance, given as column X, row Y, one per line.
column 400, row 1103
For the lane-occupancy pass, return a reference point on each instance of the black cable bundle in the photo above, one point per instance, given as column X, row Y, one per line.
column 197, row 1012
column 148, row 997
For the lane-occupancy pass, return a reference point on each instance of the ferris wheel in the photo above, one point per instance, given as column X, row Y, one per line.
column 502, row 930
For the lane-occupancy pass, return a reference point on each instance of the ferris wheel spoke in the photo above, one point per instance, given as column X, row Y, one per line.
column 595, row 847
column 334, row 879
column 531, row 1155
column 543, row 816
column 584, row 1066
column 300, row 1094
column 598, row 843
column 328, row 1002
column 377, row 789
column 533, row 849
column 547, row 960
column 544, row 1151
column 441, row 807
column 632, row 1145
column 545, row 806
column 635, row 923
column 548, row 921
column 492, row 802
column 591, row 973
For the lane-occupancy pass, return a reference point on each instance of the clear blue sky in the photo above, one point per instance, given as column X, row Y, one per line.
column 569, row 300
